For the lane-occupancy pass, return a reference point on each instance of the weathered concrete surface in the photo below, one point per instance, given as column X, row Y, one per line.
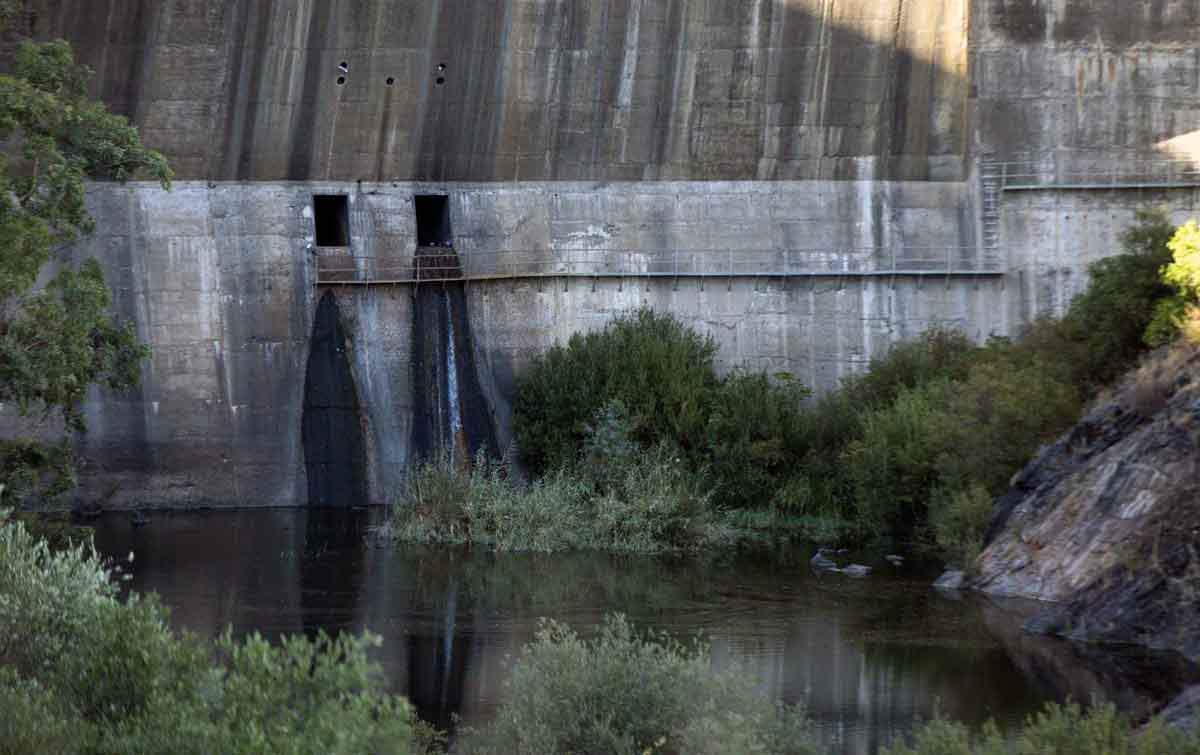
column 1051, row 237
column 334, row 455
column 1104, row 521
column 533, row 89
column 219, row 281
column 817, row 330
column 1084, row 85
column 637, row 89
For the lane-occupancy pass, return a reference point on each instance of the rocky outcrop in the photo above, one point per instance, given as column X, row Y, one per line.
column 1184, row 711
column 1105, row 522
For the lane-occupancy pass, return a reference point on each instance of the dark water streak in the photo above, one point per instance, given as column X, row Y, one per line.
column 866, row 657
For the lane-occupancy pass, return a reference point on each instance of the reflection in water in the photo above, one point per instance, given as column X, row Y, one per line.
column 866, row 657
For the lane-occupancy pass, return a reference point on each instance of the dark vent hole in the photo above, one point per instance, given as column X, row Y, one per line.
column 433, row 220
column 441, row 80
column 331, row 215
column 391, row 80
column 341, row 80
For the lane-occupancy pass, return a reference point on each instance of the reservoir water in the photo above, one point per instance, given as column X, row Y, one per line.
column 867, row 657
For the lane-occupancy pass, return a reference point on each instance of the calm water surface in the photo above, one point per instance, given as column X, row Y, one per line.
column 866, row 657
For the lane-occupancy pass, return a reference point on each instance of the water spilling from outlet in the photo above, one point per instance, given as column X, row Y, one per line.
column 452, row 418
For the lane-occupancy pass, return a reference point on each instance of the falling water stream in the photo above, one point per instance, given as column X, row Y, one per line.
column 458, row 445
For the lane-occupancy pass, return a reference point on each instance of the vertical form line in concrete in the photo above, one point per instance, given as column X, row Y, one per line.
column 821, row 80
column 891, row 95
column 628, row 74
column 598, row 130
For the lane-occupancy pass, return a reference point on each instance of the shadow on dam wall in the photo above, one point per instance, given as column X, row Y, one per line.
column 331, row 430
column 459, row 90
column 451, row 416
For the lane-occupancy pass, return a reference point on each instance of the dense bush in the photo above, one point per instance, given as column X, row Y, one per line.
column 912, row 447
column 957, row 521
column 659, row 369
column 1181, row 311
column 647, row 380
column 1061, row 730
column 937, row 354
column 29, row 468
column 754, row 437
column 83, row 671
column 1108, row 321
column 651, row 504
column 622, row 692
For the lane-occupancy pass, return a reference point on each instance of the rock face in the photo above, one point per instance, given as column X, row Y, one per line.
column 1106, row 521
column 951, row 580
column 1184, row 712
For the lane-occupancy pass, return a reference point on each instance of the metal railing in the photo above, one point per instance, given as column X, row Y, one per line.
column 1110, row 172
column 335, row 268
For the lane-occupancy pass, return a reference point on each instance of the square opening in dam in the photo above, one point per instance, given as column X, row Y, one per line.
column 433, row 220
column 331, row 215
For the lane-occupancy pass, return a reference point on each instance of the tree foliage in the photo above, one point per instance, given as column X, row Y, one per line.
column 660, row 370
column 1107, row 322
column 83, row 671
column 1183, row 275
column 58, row 339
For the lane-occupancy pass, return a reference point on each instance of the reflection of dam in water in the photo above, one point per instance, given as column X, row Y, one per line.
column 865, row 657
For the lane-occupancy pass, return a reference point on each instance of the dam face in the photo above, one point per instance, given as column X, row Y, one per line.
column 371, row 187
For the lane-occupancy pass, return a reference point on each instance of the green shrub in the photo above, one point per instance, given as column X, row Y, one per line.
column 754, row 440
column 1058, row 729
column 35, row 720
column 608, row 447
column 659, row 369
column 952, row 436
column 894, row 466
column 998, row 417
column 1183, row 275
column 653, row 504
column 82, row 671
column 1111, row 317
column 622, row 692
column 937, row 354
column 29, row 468
column 958, row 520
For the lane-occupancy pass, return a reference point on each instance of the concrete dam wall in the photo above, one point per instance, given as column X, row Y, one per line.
column 387, row 207
column 222, row 281
column 463, row 90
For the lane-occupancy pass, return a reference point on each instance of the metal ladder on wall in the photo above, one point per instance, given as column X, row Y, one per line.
column 991, row 189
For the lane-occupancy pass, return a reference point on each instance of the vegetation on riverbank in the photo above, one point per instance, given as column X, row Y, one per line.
column 83, row 671
column 627, row 692
column 1058, row 729
column 633, row 424
column 59, row 339
column 648, row 504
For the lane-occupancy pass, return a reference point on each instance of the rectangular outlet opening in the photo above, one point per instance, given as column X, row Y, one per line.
column 331, row 215
column 433, row 220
